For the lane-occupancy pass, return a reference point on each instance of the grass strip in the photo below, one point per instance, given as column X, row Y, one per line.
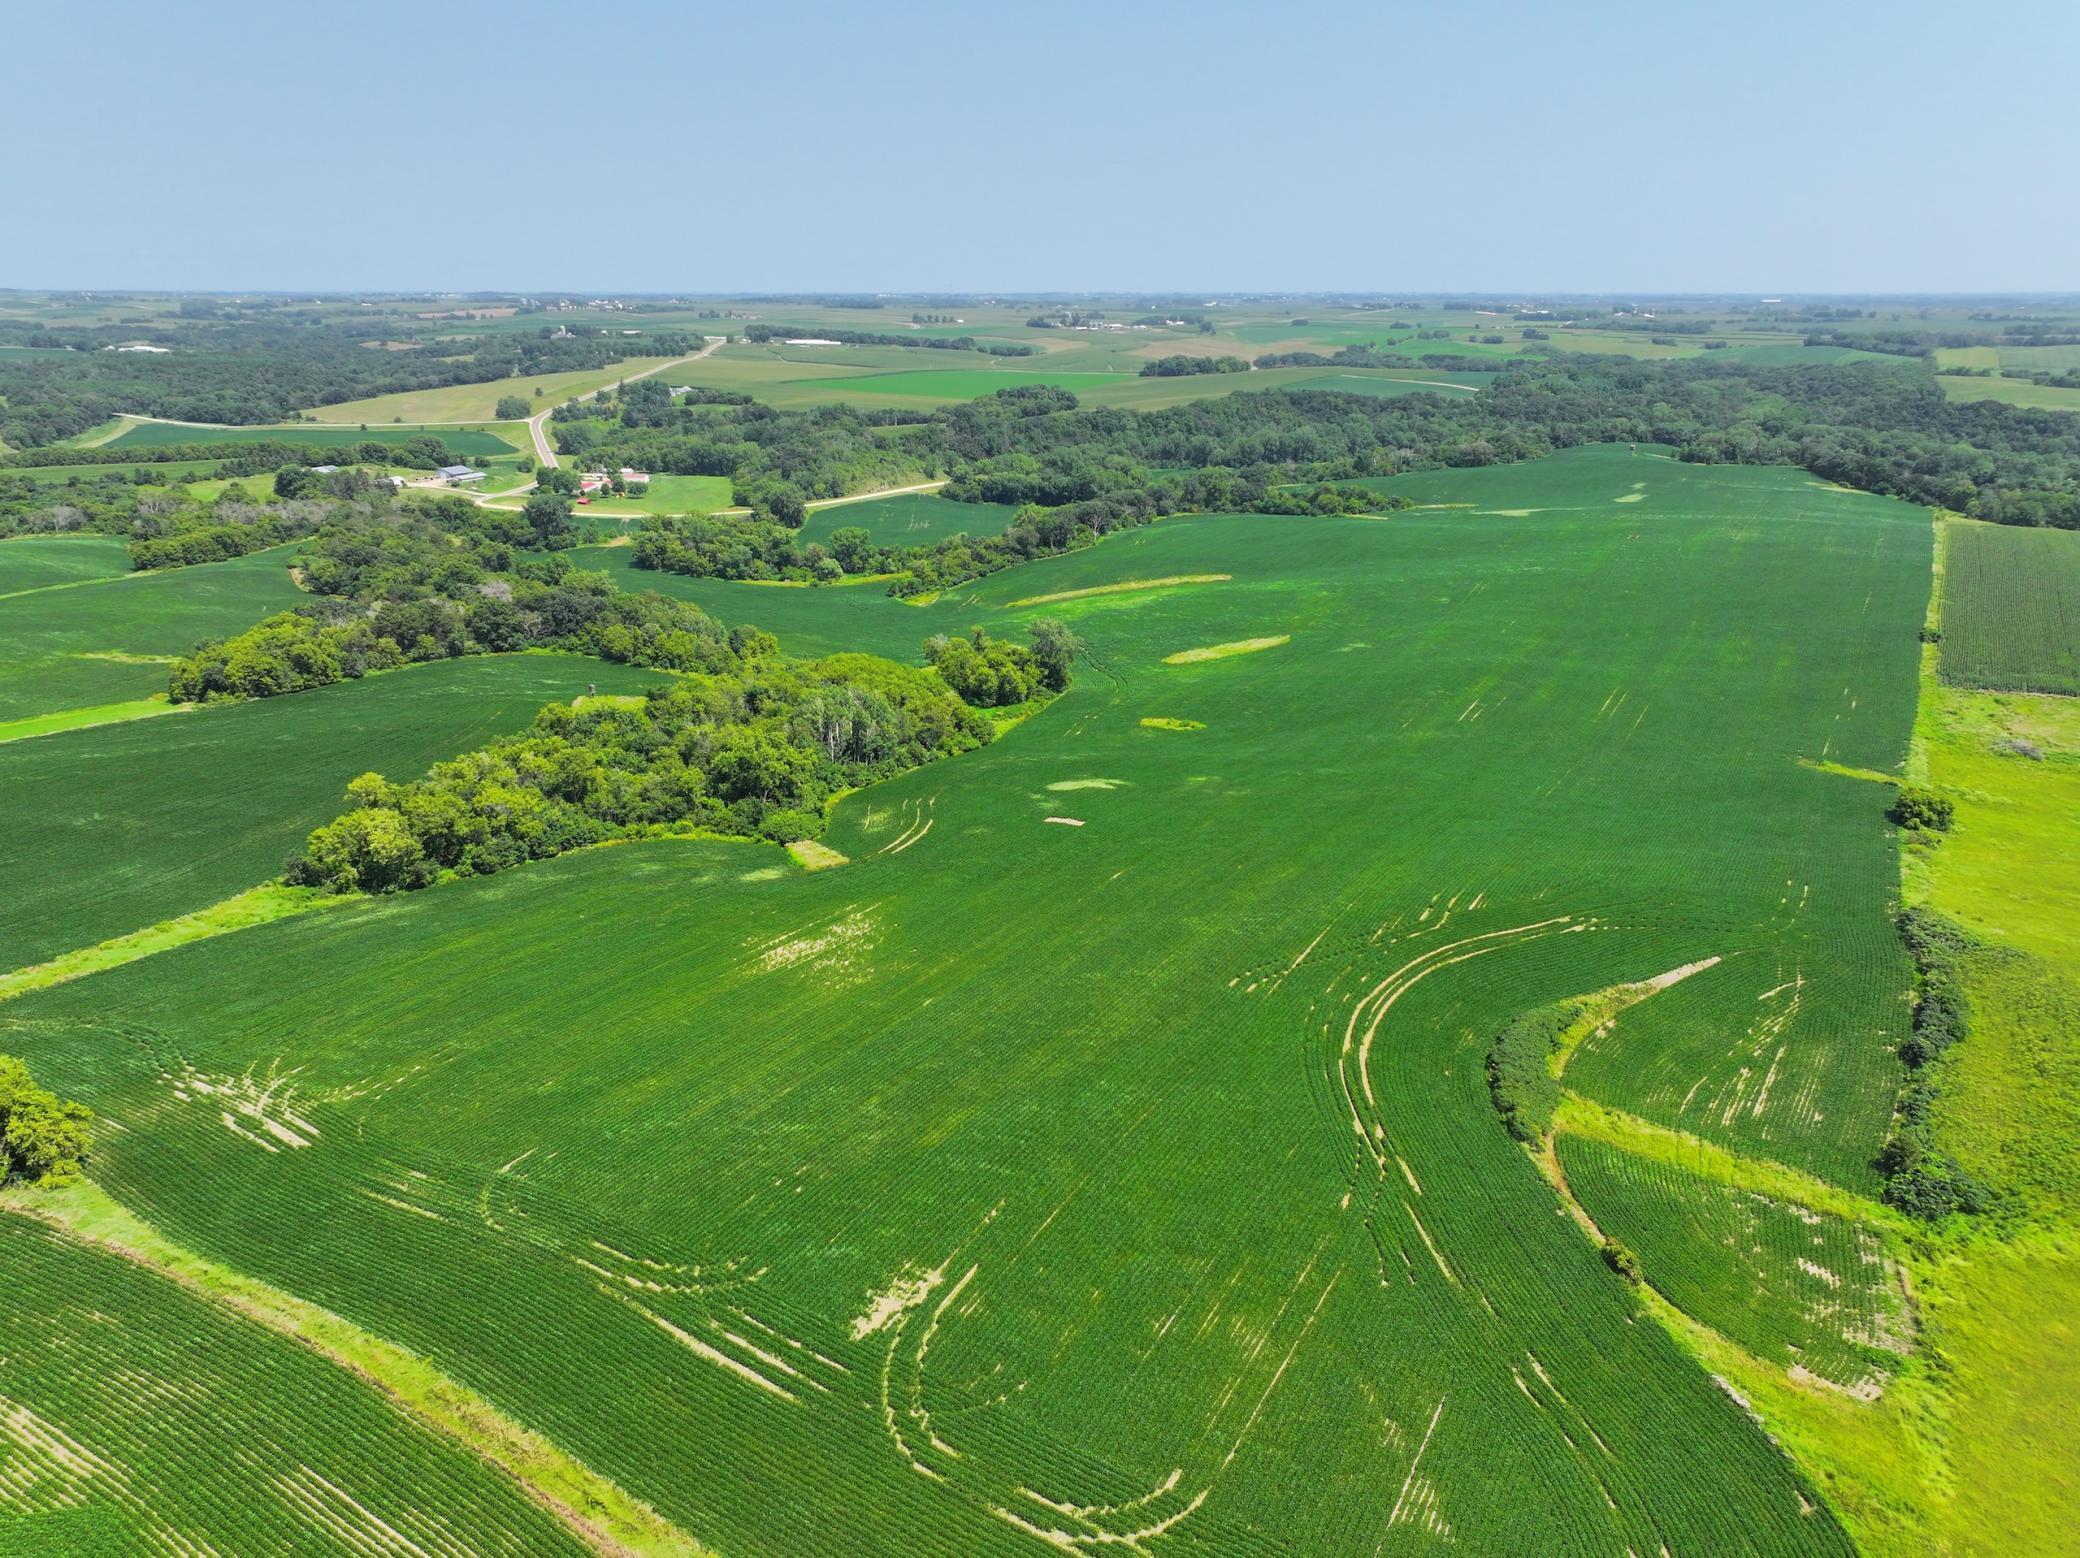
column 255, row 906
column 1124, row 586
column 80, row 719
column 1708, row 1160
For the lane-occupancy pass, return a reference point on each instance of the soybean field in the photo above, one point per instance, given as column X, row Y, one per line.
column 1102, row 1156
column 115, row 638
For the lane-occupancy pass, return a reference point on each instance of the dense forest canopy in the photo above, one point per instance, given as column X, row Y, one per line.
column 72, row 378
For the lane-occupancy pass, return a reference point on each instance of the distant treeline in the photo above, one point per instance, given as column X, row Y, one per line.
column 1184, row 364
column 243, row 372
column 957, row 343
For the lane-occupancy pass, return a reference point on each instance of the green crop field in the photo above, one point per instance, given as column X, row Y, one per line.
column 908, row 519
column 1103, row 1156
column 37, row 562
column 2011, row 608
column 139, row 1418
column 112, row 639
column 460, row 440
column 2010, row 392
column 103, row 823
column 1796, row 1287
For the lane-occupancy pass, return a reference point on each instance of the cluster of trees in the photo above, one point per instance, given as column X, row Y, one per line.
column 752, row 746
column 317, row 645
column 993, row 674
column 1184, row 365
column 1920, row 1178
column 399, row 587
column 233, row 369
column 44, row 1139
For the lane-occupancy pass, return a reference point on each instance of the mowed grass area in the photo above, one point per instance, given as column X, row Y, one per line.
column 139, row 1417
column 37, row 562
column 908, row 519
column 820, row 1209
column 113, row 639
column 2011, row 608
column 459, row 440
column 479, row 402
column 120, row 826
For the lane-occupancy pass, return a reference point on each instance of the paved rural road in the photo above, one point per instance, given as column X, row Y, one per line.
column 538, row 424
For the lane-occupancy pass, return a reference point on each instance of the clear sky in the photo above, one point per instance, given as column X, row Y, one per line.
column 1456, row 144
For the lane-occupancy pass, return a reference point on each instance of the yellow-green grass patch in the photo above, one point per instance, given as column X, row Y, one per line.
column 1125, row 586
column 813, row 856
column 80, row 719
column 1165, row 722
column 1240, row 646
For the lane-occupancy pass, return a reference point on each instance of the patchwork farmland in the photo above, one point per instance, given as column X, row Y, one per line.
column 1103, row 1154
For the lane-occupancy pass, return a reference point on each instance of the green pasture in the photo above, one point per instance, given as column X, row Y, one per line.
column 138, row 1417
column 112, row 639
column 121, row 826
column 37, row 562
column 2011, row 608
column 1105, row 1151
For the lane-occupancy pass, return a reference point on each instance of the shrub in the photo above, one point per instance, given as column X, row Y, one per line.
column 43, row 1139
column 1622, row 1261
column 1520, row 1073
column 1919, row 807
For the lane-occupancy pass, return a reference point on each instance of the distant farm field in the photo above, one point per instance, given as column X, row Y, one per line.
column 949, row 1200
column 2010, row 392
column 465, row 441
column 162, row 472
column 1394, row 384
column 479, row 402
column 102, row 824
column 959, row 383
column 2011, row 608
column 113, row 639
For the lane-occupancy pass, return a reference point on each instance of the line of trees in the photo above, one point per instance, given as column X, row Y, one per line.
column 1184, row 365
column 759, row 334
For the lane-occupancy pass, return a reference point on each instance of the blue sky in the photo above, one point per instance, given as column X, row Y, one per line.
column 1818, row 147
